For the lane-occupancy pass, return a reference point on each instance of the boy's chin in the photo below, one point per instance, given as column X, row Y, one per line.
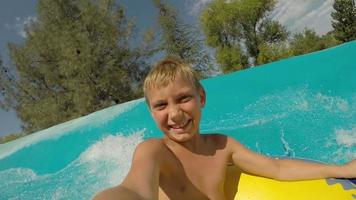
column 180, row 137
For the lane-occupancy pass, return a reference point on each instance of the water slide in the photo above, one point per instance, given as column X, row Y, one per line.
column 302, row 107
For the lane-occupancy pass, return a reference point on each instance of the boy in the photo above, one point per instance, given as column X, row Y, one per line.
column 186, row 165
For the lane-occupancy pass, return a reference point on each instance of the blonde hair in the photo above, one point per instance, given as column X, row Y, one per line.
column 166, row 70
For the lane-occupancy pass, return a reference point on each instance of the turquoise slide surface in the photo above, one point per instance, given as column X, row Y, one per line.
column 302, row 107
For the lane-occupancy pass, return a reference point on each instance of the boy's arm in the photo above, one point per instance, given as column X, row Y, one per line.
column 286, row 169
column 142, row 181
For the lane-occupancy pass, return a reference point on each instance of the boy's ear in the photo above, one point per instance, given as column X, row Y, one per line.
column 202, row 95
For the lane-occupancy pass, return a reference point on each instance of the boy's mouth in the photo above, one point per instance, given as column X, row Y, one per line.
column 180, row 126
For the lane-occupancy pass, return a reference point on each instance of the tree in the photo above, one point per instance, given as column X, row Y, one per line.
column 2, row 83
column 241, row 26
column 304, row 42
column 180, row 39
column 344, row 20
column 308, row 41
column 10, row 137
column 7, row 86
column 75, row 60
column 273, row 52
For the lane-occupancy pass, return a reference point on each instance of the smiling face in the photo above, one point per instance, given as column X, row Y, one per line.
column 176, row 108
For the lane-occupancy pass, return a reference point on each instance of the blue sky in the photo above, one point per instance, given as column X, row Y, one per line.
column 14, row 14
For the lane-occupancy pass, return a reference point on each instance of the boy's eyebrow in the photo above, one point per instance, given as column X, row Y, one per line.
column 184, row 92
column 158, row 102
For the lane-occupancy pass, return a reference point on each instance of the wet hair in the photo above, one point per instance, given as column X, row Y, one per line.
column 166, row 70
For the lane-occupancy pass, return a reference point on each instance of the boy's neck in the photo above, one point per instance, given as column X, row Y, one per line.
column 193, row 145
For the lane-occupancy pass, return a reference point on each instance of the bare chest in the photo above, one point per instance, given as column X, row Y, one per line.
column 194, row 177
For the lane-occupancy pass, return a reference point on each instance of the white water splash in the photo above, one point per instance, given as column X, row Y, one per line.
column 332, row 104
column 288, row 151
column 346, row 137
column 279, row 105
column 113, row 148
column 17, row 176
column 55, row 132
column 102, row 165
column 115, row 151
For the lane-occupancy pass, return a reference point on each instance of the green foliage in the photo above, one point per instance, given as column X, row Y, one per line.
column 241, row 25
column 304, row 42
column 2, row 88
column 10, row 137
column 75, row 60
column 7, row 86
column 308, row 41
column 273, row 52
column 180, row 39
column 344, row 20
column 228, row 57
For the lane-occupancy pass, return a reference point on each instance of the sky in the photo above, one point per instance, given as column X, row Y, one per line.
column 15, row 14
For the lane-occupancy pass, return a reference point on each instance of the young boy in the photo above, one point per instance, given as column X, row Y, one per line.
column 185, row 165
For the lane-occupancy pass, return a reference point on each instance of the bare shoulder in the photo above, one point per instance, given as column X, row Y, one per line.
column 151, row 143
column 142, row 178
column 151, row 147
column 232, row 140
column 233, row 145
column 141, row 181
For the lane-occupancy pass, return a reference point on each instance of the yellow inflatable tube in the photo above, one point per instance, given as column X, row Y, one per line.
column 241, row 186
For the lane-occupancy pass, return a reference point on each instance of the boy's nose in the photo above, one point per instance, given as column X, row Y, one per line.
column 175, row 114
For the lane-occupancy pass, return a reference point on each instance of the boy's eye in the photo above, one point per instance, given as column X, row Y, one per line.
column 159, row 106
column 185, row 99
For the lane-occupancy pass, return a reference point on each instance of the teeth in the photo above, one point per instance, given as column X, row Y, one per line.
column 179, row 126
